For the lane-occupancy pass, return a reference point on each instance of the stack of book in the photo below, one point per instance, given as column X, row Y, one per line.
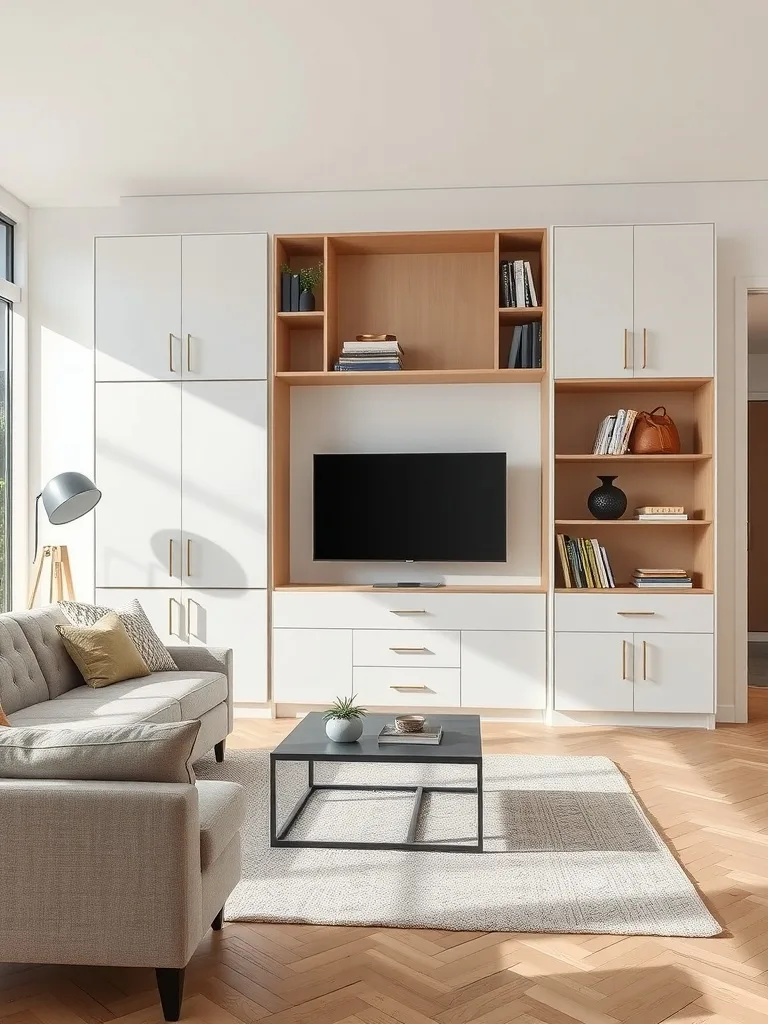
column 613, row 434
column 371, row 352
column 584, row 563
column 516, row 287
column 661, row 514
column 661, row 579
column 525, row 350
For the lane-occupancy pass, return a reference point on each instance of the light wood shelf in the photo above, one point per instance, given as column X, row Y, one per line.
column 677, row 524
column 299, row 321
column 630, row 385
column 348, row 378
column 364, row 588
column 520, row 314
column 633, row 590
column 629, row 459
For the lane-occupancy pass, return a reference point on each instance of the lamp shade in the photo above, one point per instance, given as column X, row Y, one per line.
column 68, row 496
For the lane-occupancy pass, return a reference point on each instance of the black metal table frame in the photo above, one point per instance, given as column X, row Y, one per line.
column 277, row 838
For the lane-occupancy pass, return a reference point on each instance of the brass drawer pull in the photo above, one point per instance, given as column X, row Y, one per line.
column 626, row 342
column 624, row 659
column 645, row 348
column 407, row 611
column 189, row 557
column 635, row 613
column 645, row 659
column 170, row 557
column 170, row 616
column 189, row 353
column 170, row 353
column 409, row 650
column 407, row 689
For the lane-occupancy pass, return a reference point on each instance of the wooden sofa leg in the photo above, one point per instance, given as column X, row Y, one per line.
column 170, row 984
column 219, row 751
column 218, row 921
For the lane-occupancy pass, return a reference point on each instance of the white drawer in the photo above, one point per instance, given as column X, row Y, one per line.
column 311, row 666
column 407, row 687
column 412, row 610
column 634, row 613
column 406, row 648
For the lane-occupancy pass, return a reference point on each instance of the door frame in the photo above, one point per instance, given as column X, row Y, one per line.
column 743, row 286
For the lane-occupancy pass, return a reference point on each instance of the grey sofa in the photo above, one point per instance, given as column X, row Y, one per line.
column 121, row 874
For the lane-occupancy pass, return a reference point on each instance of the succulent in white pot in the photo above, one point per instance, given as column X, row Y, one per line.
column 344, row 720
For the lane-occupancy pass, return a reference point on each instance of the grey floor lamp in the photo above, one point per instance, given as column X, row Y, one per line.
column 66, row 497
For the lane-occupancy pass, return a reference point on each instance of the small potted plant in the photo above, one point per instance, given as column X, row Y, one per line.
column 309, row 279
column 344, row 720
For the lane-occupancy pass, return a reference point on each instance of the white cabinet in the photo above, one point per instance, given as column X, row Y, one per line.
column 407, row 687
column 503, row 669
column 223, row 483
column 634, row 301
column 171, row 307
column 419, row 649
column 311, row 666
column 236, row 619
column 594, row 672
column 138, row 308
column 138, row 468
column 224, row 306
column 674, row 285
column 593, row 301
column 582, row 612
column 674, row 672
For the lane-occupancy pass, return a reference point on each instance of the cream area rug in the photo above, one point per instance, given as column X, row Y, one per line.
column 567, row 849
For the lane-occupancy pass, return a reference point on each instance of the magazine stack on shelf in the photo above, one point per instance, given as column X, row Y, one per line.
column 584, row 563
column 661, row 514
column 371, row 352
column 661, row 579
column 614, row 432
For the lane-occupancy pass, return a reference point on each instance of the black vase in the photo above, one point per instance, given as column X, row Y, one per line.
column 607, row 501
column 307, row 301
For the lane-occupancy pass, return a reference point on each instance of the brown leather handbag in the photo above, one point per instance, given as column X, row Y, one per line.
column 654, row 433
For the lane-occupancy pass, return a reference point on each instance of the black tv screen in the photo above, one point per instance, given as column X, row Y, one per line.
column 448, row 507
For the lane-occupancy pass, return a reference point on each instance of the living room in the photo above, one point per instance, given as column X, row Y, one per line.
column 375, row 497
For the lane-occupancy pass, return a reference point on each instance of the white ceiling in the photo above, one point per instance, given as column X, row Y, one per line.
column 102, row 98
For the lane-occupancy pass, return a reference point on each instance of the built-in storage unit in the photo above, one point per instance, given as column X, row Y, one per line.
column 181, row 439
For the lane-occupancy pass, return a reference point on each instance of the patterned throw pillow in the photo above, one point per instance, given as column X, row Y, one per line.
column 137, row 626
column 3, row 719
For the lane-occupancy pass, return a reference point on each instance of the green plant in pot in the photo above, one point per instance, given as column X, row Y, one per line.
column 344, row 720
column 309, row 279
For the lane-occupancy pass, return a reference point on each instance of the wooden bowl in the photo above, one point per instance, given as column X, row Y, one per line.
column 409, row 723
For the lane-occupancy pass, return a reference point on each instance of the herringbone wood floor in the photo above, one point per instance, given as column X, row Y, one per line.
column 708, row 793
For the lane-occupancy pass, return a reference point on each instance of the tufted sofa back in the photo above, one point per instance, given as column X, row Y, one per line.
column 34, row 664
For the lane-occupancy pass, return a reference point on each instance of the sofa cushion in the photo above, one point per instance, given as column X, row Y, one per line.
column 137, row 626
column 195, row 692
column 123, row 753
column 21, row 679
column 222, row 812
column 39, row 627
column 82, row 714
column 103, row 652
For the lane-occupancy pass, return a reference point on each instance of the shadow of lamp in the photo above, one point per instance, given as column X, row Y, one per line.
column 66, row 497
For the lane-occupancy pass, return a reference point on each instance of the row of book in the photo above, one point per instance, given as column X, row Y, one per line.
column 525, row 350
column 662, row 579
column 613, row 434
column 584, row 563
column 370, row 352
column 661, row 514
column 516, row 285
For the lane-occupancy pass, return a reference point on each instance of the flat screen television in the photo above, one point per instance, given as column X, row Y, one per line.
column 442, row 507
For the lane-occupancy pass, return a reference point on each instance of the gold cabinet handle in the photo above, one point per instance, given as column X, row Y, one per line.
column 170, row 352
column 170, row 556
column 170, row 617
column 635, row 613
column 408, row 650
column 189, row 618
column 645, row 659
column 407, row 689
column 189, row 353
column 407, row 611
column 189, row 557
column 645, row 348
column 626, row 347
column 624, row 659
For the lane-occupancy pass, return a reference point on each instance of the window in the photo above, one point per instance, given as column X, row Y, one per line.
column 6, row 275
column 6, row 250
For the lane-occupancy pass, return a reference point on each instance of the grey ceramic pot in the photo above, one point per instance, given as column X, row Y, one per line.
column 342, row 730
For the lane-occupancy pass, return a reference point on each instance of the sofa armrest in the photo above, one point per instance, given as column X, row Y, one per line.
column 103, row 873
column 207, row 659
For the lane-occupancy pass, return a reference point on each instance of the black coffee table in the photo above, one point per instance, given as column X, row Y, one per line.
column 460, row 744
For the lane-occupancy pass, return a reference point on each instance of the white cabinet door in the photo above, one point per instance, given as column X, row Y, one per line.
column 674, row 672
column 311, row 666
column 674, row 300
column 593, row 671
column 224, row 483
column 503, row 669
column 593, row 302
column 236, row 619
column 138, row 468
column 138, row 308
column 163, row 607
column 224, row 306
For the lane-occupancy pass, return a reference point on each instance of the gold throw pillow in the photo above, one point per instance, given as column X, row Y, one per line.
column 103, row 652
column 3, row 719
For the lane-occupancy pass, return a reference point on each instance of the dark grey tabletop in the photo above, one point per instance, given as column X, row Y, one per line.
column 460, row 743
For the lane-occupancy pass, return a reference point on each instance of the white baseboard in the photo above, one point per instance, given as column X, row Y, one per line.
column 632, row 719
column 252, row 711
column 727, row 713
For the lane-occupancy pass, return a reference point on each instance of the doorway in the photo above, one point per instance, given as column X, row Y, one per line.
column 757, row 489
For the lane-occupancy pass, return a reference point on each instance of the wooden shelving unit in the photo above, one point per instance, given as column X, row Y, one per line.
column 686, row 479
column 439, row 293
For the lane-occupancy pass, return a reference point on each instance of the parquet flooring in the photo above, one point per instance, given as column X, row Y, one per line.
column 708, row 794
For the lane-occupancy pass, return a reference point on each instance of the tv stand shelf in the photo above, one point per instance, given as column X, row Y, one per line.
column 350, row 588
column 352, row 378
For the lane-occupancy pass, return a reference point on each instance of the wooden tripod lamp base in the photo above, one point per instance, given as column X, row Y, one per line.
column 60, row 586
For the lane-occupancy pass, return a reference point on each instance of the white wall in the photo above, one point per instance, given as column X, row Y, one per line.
column 62, row 283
